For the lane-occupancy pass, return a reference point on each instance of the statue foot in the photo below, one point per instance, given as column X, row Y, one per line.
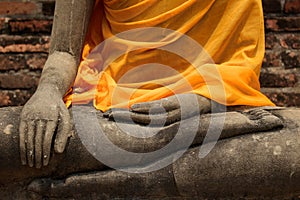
column 108, row 185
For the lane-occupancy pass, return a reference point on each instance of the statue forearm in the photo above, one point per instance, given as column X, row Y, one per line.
column 71, row 20
column 70, row 24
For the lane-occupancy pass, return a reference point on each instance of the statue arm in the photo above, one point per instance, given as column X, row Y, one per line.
column 71, row 20
column 46, row 112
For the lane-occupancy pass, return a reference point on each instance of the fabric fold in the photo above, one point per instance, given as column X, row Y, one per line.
column 225, row 67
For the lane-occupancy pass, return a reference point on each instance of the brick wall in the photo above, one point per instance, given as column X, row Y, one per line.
column 280, row 76
column 25, row 32
column 25, row 28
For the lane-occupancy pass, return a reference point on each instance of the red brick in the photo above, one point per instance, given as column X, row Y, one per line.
column 283, row 97
column 271, row 41
column 23, row 44
column 21, row 26
column 36, row 61
column 292, row 40
column 292, row 6
column 18, row 8
column 283, row 43
column 291, row 59
column 19, row 80
column 277, row 79
column 281, row 40
column 4, row 99
column 296, row 45
column 2, row 24
column 24, row 48
column 12, row 61
column 272, row 59
column 14, row 97
column 283, row 23
column 48, row 8
column 16, row 62
column 272, row 6
column 278, row 41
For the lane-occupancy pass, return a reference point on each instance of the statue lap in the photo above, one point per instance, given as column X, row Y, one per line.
column 258, row 152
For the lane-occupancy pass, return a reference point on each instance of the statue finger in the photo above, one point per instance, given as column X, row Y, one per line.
column 40, row 128
column 119, row 115
column 147, row 119
column 162, row 119
column 157, row 106
column 109, row 112
column 50, row 128
column 174, row 116
column 30, row 143
column 64, row 128
column 23, row 141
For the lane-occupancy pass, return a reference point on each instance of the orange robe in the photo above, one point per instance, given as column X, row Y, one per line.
column 230, row 31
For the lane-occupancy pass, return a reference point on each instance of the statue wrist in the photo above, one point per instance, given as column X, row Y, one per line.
column 51, row 89
column 59, row 73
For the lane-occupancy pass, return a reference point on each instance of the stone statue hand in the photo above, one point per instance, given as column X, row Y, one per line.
column 42, row 115
column 164, row 111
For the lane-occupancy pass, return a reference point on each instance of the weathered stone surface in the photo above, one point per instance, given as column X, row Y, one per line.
column 260, row 165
